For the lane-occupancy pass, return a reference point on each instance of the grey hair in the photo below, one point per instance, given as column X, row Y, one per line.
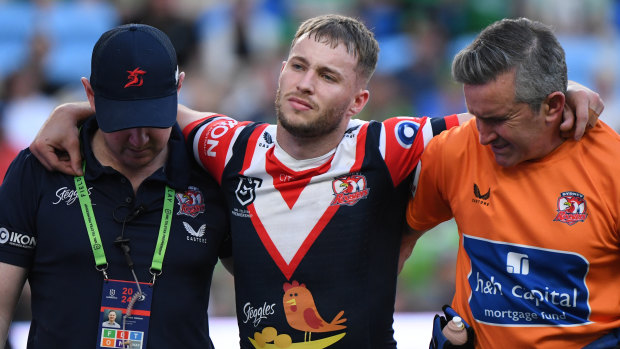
column 527, row 46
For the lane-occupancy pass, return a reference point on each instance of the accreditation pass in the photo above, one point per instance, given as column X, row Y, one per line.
column 115, row 298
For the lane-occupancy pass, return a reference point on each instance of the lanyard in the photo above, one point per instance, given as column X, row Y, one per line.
column 95, row 239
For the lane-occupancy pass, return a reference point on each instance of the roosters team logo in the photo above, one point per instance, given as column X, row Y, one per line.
column 135, row 77
column 191, row 202
column 349, row 189
column 571, row 208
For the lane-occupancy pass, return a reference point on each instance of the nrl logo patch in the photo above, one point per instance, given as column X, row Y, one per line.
column 349, row 189
column 191, row 202
column 571, row 208
column 246, row 190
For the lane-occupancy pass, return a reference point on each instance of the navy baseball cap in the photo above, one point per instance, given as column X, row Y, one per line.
column 134, row 76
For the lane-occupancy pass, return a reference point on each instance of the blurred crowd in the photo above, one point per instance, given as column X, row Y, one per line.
column 231, row 51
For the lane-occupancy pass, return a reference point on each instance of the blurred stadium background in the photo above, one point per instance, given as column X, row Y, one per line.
column 232, row 51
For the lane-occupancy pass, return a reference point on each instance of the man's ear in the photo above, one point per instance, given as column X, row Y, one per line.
column 90, row 94
column 361, row 98
column 553, row 106
column 181, row 79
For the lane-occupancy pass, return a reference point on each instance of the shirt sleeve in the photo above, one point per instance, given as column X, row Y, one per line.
column 211, row 141
column 429, row 205
column 19, row 198
column 403, row 139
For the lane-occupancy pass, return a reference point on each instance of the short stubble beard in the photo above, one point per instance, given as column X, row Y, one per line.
column 324, row 124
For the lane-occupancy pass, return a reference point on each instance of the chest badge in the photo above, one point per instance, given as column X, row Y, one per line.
column 571, row 208
column 349, row 189
column 191, row 202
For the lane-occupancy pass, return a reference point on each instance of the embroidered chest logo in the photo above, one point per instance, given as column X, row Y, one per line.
column 267, row 141
column 135, row 77
column 246, row 190
column 481, row 198
column 196, row 236
column 571, row 208
column 191, row 203
column 68, row 196
column 349, row 189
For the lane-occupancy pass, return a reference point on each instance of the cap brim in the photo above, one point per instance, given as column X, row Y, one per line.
column 114, row 115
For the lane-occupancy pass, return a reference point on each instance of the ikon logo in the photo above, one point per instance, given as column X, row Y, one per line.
column 517, row 263
column 17, row 239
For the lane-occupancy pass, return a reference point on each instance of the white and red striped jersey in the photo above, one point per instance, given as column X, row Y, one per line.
column 315, row 242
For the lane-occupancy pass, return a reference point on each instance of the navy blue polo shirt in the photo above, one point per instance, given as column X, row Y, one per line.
column 42, row 230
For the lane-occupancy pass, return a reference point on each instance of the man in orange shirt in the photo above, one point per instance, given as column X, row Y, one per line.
column 538, row 215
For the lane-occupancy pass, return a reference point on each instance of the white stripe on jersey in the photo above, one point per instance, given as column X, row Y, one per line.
column 427, row 132
column 288, row 227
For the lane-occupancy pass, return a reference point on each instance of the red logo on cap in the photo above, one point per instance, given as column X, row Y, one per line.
column 135, row 77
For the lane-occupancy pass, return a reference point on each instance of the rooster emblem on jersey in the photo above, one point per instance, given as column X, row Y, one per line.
column 571, row 208
column 191, row 202
column 302, row 314
column 349, row 189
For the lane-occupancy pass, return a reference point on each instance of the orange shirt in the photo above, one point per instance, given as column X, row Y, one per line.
column 539, row 249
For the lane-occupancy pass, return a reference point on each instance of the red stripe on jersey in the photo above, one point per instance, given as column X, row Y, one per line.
column 287, row 181
column 289, row 269
column 360, row 150
column 402, row 158
column 214, row 142
column 451, row 121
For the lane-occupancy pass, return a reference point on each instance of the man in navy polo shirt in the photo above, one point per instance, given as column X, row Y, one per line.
column 138, row 233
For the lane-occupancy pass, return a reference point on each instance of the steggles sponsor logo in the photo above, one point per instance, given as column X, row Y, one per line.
column 255, row 315
column 66, row 195
column 16, row 239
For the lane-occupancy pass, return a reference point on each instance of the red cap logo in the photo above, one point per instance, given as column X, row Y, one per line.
column 135, row 77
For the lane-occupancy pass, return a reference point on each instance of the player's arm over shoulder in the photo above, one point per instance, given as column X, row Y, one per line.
column 187, row 116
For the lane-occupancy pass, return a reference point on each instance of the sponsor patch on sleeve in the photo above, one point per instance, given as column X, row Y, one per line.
column 8, row 237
